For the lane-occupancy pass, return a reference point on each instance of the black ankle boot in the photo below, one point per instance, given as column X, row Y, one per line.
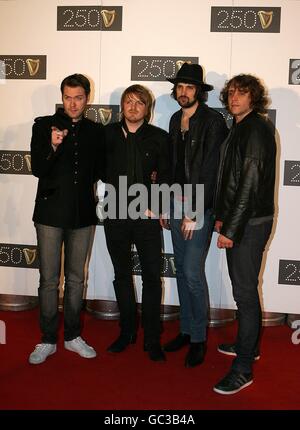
column 195, row 355
column 155, row 351
column 122, row 342
column 176, row 344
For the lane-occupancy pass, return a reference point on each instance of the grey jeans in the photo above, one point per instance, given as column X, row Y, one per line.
column 76, row 246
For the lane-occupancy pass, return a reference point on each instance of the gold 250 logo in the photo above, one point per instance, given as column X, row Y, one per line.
column 245, row 19
column 13, row 255
column 15, row 162
column 89, row 18
column 23, row 66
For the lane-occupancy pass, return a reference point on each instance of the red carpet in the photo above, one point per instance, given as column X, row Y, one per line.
column 130, row 381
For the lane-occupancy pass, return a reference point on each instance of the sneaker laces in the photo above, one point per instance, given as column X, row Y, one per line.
column 81, row 342
column 234, row 376
column 231, row 376
column 41, row 347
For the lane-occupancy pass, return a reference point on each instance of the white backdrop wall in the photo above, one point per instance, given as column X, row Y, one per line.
column 167, row 28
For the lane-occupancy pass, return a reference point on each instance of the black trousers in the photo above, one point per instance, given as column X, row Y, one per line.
column 244, row 263
column 146, row 235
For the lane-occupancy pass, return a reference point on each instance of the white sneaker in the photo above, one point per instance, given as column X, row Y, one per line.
column 41, row 352
column 81, row 347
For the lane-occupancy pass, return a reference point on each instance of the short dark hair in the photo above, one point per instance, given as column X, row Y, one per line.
column 144, row 94
column 76, row 80
column 258, row 93
column 201, row 96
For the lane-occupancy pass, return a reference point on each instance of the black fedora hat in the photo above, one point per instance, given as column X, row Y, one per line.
column 191, row 74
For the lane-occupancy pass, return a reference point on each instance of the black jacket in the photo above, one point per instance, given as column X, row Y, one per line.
column 246, row 176
column 65, row 194
column 207, row 131
column 152, row 145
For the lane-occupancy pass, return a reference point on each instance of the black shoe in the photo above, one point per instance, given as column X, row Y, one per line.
column 195, row 355
column 122, row 342
column 146, row 346
column 230, row 349
column 176, row 344
column 233, row 382
column 155, row 352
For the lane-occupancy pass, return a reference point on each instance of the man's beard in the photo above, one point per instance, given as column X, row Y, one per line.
column 188, row 104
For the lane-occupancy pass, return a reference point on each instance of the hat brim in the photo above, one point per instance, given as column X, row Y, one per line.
column 187, row 80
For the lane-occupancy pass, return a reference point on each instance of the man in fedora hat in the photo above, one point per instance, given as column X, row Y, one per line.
column 196, row 133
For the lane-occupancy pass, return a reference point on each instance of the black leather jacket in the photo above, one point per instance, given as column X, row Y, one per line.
column 207, row 131
column 245, row 190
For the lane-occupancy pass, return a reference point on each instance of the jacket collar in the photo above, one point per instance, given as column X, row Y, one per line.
column 65, row 119
column 201, row 108
column 245, row 119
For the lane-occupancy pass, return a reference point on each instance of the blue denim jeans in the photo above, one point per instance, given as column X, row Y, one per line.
column 190, row 256
column 244, row 263
column 76, row 246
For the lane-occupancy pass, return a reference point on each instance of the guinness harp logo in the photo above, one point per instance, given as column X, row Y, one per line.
column 265, row 18
column 108, row 17
column 30, row 255
column 33, row 66
column 105, row 115
column 179, row 63
column 28, row 161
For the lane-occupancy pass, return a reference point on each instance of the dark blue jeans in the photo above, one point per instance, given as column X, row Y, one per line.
column 76, row 246
column 190, row 256
column 244, row 263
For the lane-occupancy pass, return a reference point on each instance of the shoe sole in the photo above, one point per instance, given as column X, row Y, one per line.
column 233, row 354
column 217, row 390
column 43, row 361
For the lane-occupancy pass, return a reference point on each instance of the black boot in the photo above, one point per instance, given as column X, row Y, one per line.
column 195, row 355
column 122, row 342
column 176, row 344
column 155, row 351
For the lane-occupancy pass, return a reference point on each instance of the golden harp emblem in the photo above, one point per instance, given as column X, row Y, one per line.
column 30, row 255
column 105, row 115
column 265, row 18
column 33, row 66
column 28, row 161
column 108, row 17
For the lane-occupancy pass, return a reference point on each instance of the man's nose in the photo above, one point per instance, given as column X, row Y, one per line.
column 234, row 95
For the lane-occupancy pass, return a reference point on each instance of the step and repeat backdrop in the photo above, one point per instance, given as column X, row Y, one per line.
column 119, row 42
